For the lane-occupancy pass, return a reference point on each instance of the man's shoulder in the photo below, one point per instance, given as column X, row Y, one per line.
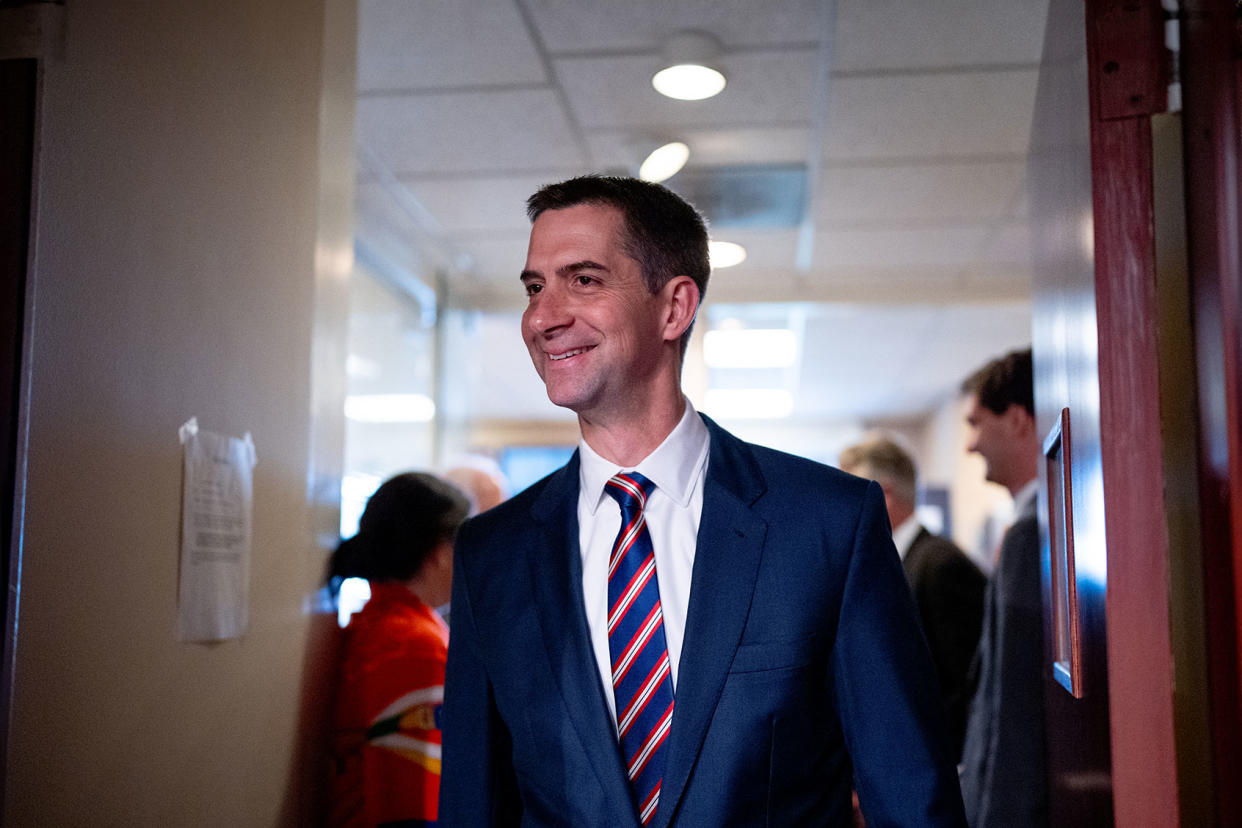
column 1023, row 532
column 936, row 553
column 937, row 547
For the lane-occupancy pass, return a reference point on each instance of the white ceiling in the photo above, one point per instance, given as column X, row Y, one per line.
column 911, row 121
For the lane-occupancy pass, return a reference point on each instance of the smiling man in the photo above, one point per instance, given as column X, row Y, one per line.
column 677, row 627
column 1004, row 763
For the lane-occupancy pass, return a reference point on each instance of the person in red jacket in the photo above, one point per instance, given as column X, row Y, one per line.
column 387, row 734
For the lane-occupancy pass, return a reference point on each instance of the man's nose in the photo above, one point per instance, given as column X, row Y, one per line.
column 550, row 310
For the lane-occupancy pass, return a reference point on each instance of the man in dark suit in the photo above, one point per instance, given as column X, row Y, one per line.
column 676, row 627
column 947, row 587
column 1004, row 764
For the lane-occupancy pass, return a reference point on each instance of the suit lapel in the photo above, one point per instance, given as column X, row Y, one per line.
column 726, row 563
column 556, row 571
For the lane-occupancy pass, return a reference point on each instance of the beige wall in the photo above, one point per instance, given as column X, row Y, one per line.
column 176, row 275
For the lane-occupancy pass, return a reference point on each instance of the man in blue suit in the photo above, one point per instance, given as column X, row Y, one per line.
column 677, row 627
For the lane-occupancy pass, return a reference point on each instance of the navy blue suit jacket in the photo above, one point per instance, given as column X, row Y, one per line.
column 803, row 669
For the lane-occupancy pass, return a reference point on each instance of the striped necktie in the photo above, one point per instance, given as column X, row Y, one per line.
column 641, row 678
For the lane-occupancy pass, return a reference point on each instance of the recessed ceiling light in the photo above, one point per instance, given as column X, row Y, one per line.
column 688, row 82
column 390, row 408
column 688, row 73
column 725, row 254
column 750, row 348
column 664, row 162
column 362, row 367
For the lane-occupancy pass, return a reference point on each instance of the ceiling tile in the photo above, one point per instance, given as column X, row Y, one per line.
column 915, row 247
column 709, row 147
column 941, row 193
column 403, row 44
column 479, row 205
column 645, row 24
column 453, row 133
column 765, row 249
column 895, row 34
column 931, row 116
column 764, row 89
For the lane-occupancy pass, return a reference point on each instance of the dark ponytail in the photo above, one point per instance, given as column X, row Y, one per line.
column 405, row 519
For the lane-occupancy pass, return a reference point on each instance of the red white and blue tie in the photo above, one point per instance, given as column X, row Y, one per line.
column 641, row 678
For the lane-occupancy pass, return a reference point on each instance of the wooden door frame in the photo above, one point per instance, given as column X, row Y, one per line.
column 1127, row 83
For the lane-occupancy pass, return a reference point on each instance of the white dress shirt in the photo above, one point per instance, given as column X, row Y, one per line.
column 677, row 467
column 904, row 535
column 1024, row 501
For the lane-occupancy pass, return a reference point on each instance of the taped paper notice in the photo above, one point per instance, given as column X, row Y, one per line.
column 217, row 502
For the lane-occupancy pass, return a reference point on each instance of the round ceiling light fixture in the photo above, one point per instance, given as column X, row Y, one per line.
column 664, row 161
column 725, row 254
column 689, row 73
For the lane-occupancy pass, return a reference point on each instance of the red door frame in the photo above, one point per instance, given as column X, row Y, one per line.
column 1126, row 85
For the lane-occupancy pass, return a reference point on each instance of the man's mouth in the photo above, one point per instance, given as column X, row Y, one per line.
column 568, row 354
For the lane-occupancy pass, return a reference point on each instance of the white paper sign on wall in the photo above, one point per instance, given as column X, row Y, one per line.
column 217, row 504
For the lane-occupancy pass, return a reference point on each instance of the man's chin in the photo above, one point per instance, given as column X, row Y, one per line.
column 563, row 399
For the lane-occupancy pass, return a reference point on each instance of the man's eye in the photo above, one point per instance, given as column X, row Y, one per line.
column 532, row 288
column 583, row 279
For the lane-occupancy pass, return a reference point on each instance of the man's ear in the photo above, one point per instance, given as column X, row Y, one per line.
column 681, row 303
column 1021, row 423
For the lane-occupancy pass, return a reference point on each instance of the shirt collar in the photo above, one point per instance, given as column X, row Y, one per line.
column 674, row 466
column 904, row 535
column 1024, row 500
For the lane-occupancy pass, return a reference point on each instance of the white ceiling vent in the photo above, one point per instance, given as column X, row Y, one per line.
column 767, row 196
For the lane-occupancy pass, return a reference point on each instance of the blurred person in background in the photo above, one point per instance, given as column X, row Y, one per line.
column 481, row 479
column 1004, row 762
column 387, row 736
column 947, row 587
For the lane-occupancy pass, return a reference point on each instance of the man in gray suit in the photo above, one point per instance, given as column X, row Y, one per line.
column 1004, row 773
column 947, row 586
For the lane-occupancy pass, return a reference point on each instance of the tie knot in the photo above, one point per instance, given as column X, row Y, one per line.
column 630, row 490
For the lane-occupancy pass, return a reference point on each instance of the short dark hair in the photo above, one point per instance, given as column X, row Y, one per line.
column 404, row 520
column 664, row 233
column 1005, row 381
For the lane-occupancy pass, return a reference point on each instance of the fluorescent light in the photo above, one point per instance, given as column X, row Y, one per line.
column 688, row 82
column 750, row 348
column 357, row 366
column 725, row 254
column 664, row 162
column 748, row 403
column 390, row 408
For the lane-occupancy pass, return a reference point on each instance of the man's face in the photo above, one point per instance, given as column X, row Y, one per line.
column 992, row 435
column 594, row 332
